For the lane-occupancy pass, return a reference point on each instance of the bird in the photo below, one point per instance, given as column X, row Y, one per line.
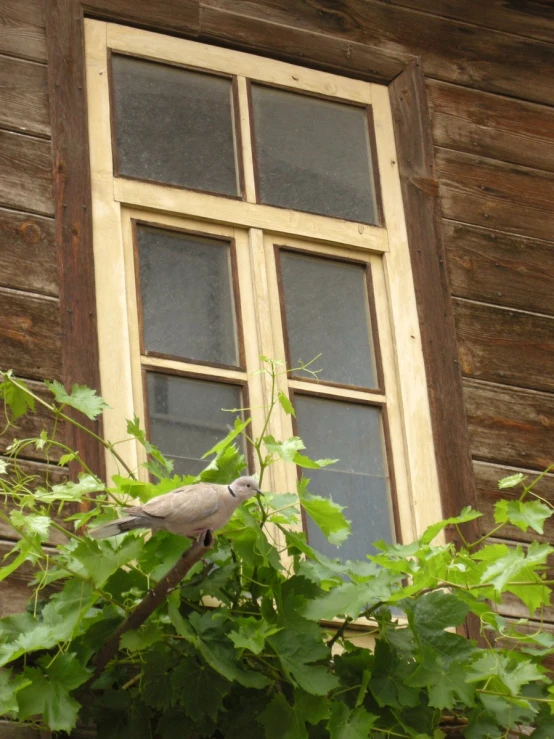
column 187, row 511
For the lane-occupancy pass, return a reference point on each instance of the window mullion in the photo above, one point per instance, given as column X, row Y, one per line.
column 245, row 139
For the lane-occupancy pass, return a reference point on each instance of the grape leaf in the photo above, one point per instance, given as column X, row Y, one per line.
column 81, row 398
column 286, row 405
column 523, row 515
column 347, row 724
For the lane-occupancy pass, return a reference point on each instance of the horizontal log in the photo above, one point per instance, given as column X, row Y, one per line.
column 509, row 425
column 22, row 31
column 28, row 259
column 485, row 192
column 488, row 494
column 30, row 335
column 26, row 173
column 497, row 267
column 24, row 95
column 504, row 345
column 309, row 48
column 532, row 18
column 12, row 730
column 163, row 15
column 30, row 426
column 492, row 125
column 451, row 51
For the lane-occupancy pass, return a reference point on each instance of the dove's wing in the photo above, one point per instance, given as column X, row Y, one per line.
column 184, row 505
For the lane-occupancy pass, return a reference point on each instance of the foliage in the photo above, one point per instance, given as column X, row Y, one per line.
column 257, row 640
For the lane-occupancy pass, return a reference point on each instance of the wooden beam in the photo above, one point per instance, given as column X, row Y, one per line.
column 64, row 34
column 421, row 202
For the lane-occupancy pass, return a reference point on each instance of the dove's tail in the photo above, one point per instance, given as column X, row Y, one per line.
column 120, row 526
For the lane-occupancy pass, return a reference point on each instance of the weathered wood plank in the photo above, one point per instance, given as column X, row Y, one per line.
column 26, row 173
column 530, row 628
column 30, row 426
column 163, row 15
column 29, row 335
column 485, row 192
column 67, row 87
column 503, row 345
column 15, row 591
column 486, row 479
column 309, row 48
column 509, row 425
column 492, row 125
column 497, row 267
column 22, row 31
column 24, row 96
column 419, row 192
column 532, row 18
column 10, row 730
column 450, row 50
column 28, row 259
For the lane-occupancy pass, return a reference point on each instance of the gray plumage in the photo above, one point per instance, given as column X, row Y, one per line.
column 187, row 511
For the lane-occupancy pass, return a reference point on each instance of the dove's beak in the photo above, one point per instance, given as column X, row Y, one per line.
column 259, row 491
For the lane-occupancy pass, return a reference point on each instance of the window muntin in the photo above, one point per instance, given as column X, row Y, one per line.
column 257, row 230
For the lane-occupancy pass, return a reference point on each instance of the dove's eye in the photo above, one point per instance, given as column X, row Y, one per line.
column 247, row 484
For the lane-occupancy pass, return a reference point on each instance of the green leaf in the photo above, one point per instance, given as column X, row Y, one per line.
column 466, row 514
column 252, row 634
column 444, row 679
column 100, row 559
column 198, row 689
column 511, row 481
column 81, row 398
column 326, row 514
column 71, row 491
column 142, row 638
column 286, row 405
column 18, row 399
column 8, row 691
column 49, row 691
column 523, row 515
column 313, row 464
column 3, row 467
column 514, row 565
column 281, row 722
column 350, row 599
column 285, row 449
column 513, row 670
column 296, row 652
column 237, row 429
column 347, row 724
column 32, row 523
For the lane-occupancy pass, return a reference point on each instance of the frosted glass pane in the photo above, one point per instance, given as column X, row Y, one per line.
column 186, row 417
column 187, row 296
column 327, row 313
column 359, row 480
column 313, row 154
column 174, row 126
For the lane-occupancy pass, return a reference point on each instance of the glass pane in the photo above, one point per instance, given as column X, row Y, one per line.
column 186, row 417
column 327, row 313
column 313, row 154
column 174, row 126
column 187, row 299
column 359, row 480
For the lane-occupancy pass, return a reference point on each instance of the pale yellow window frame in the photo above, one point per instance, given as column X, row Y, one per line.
column 255, row 228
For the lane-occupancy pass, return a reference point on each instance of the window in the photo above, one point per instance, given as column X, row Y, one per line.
column 246, row 207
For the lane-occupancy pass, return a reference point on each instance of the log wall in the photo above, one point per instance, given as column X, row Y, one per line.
column 492, row 112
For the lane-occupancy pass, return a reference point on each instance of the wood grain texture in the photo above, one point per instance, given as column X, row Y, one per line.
column 10, row 730
column 486, row 192
column 73, row 211
column 31, row 425
column 26, row 173
column 24, row 96
column 417, row 175
column 497, row 267
column 486, row 481
column 493, row 126
column 22, row 31
column 29, row 335
column 450, row 50
column 506, row 346
column 306, row 47
column 510, row 425
column 532, row 18
column 28, row 259
column 176, row 16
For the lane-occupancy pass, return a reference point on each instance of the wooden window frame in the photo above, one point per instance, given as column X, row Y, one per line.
column 411, row 123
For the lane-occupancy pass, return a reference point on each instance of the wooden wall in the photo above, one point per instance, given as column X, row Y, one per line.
column 492, row 105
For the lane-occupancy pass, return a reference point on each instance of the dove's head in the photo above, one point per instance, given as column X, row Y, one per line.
column 245, row 487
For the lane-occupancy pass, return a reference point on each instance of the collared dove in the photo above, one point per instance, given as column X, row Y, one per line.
column 187, row 511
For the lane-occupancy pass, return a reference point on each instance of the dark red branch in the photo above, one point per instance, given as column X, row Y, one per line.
column 152, row 600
